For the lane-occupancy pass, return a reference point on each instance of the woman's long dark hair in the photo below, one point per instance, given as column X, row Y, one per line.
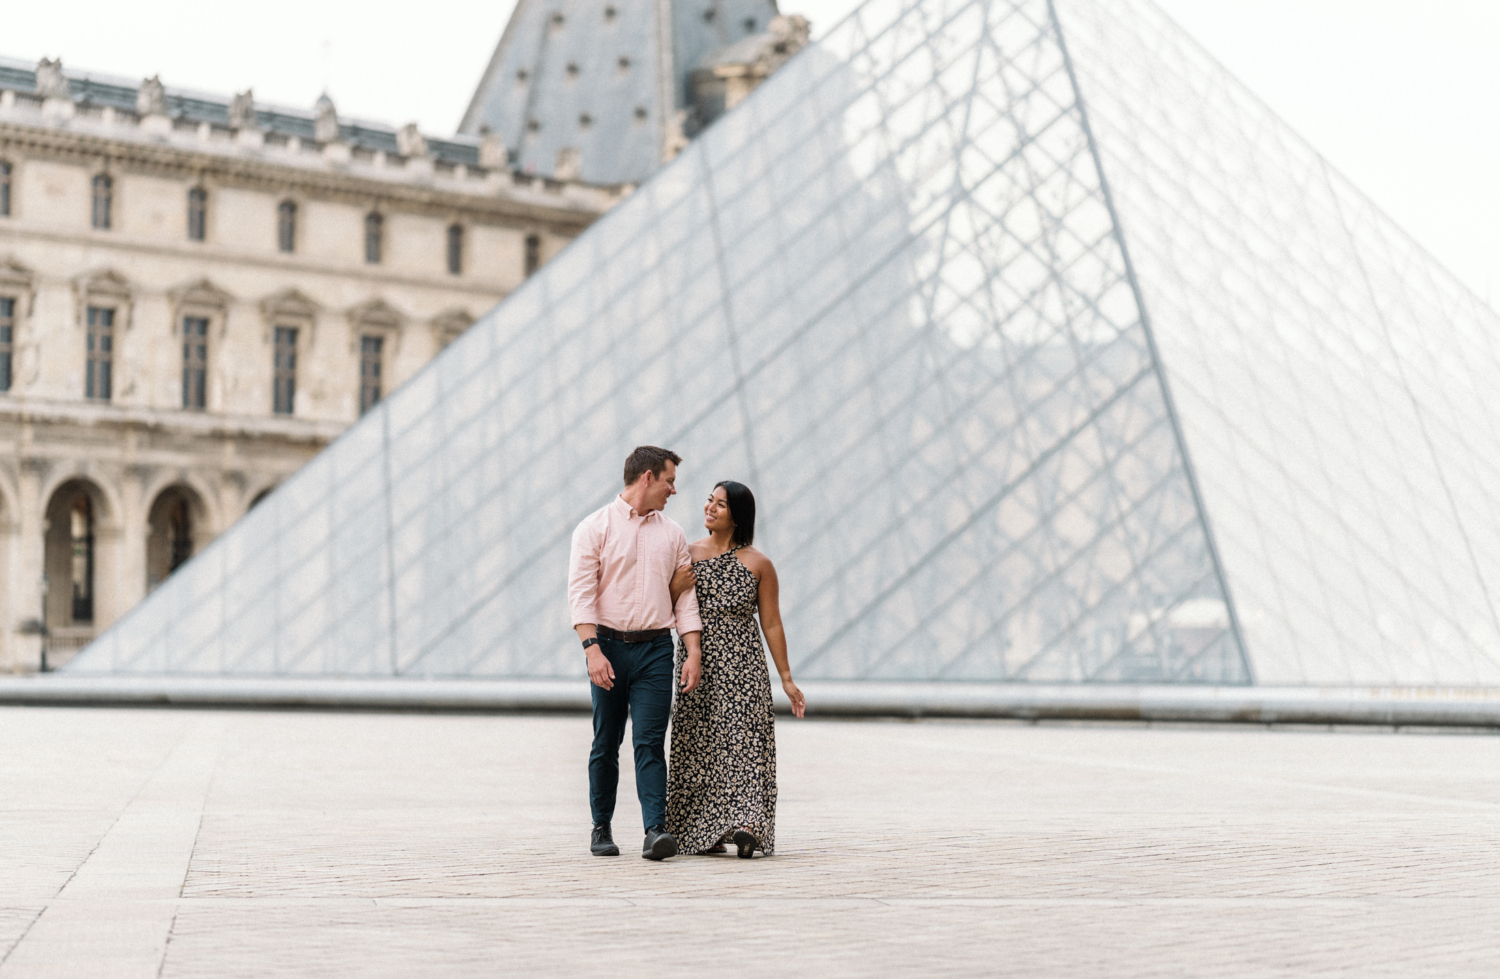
column 741, row 511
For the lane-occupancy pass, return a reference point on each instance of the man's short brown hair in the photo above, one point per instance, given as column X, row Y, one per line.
column 648, row 458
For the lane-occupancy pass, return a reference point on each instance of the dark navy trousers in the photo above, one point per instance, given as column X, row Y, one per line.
column 642, row 692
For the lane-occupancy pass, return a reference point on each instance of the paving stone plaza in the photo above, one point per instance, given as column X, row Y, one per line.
column 219, row 843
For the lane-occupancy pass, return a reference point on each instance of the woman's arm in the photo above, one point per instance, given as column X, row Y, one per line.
column 770, row 623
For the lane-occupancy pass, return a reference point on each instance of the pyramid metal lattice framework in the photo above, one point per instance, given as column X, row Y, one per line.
column 1050, row 353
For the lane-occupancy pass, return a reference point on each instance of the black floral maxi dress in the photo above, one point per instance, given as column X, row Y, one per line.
column 722, row 773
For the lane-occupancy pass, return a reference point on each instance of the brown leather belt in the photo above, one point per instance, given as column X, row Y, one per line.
column 645, row 636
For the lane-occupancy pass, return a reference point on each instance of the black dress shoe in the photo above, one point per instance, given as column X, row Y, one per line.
column 602, row 843
column 659, row 844
column 745, row 844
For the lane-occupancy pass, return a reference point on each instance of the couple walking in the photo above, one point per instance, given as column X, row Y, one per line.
column 632, row 577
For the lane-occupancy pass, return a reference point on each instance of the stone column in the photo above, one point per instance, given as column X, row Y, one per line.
column 130, row 574
column 28, row 559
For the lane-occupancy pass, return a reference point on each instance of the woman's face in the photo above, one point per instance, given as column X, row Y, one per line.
column 716, row 512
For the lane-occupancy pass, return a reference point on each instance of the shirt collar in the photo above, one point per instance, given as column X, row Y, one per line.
column 626, row 510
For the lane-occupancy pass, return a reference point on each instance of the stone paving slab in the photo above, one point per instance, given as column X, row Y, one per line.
column 220, row 844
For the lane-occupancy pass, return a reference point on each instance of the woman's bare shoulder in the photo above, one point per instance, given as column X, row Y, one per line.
column 755, row 560
column 699, row 549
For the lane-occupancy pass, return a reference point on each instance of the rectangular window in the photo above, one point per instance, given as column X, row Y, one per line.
column 5, row 173
column 284, row 373
column 197, row 214
column 286, row 226
column 369, row 372
column 533, row 253
column 104, row 195
column 98, row 379
column 194, row 362
column 374, row 237
column 455, row 249
column 7, row 339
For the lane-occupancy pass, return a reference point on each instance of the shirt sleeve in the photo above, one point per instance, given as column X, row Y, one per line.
column 583, row 572
column 685, row 613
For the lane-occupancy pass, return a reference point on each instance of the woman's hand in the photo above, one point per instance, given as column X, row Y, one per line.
column 799, row 702
column 682, row 579
column 692, row 671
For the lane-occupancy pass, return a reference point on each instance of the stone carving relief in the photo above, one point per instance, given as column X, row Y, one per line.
column 448, row 325
column 242, row 110
column 200, row 298
column 492, row 152
column 376, row 316
column 410, row 140
column 50, row 83
column 326, row 128
column 151, row 97
column 289, row 307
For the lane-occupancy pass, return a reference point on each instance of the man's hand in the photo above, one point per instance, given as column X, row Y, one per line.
column 692, row 671
column 601, row 671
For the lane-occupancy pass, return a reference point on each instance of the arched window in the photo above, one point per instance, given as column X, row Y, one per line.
column 286, row 226
column 74, row 513
column 455, row 249
column 5, row 174
column 533, row 253
column 197, row 214
column 104, row 192
column 374, row 237
column 169, row 538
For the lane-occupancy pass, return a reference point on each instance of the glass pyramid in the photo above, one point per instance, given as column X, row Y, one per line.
column 1050, row 353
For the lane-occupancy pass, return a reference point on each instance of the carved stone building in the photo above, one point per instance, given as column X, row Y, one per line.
column 196, row 295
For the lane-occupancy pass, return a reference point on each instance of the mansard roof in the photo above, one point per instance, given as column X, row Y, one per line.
column 121, row 94
column 588, row 89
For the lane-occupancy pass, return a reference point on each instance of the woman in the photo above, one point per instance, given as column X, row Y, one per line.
column 721, row 782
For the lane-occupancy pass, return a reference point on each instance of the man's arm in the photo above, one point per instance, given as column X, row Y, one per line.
column 583, row 599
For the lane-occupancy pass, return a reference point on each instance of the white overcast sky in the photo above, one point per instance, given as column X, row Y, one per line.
column 1403, row 96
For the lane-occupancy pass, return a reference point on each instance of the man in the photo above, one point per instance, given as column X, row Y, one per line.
column 619, row 580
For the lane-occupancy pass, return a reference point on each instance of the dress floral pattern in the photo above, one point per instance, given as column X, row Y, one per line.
column 722, row 773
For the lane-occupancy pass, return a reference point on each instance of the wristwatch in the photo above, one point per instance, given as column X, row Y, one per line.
column 591, row 642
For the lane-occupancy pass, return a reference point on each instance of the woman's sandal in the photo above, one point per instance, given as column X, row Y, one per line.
column 745, row 844
column 716, row 848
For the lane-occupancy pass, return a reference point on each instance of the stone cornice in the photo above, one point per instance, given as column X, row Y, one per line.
column 268, row 173
column 486, row 291
column 197, row 424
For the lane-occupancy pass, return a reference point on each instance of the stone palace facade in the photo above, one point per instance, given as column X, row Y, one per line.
column 196, row 295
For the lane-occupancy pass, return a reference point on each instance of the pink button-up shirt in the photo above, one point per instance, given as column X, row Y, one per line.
column 620, row 571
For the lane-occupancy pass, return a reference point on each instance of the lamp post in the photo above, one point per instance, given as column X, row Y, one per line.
column 41, row 623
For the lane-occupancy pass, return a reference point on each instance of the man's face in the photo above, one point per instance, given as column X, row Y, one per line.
column 661, row 488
